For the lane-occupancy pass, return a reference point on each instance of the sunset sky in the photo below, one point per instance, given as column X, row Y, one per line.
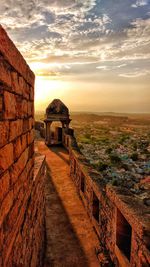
column 92, row 54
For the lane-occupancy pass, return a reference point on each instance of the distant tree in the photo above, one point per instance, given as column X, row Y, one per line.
column 134, row 156
column 102, row 166
column 109, row 150
column 115, row 158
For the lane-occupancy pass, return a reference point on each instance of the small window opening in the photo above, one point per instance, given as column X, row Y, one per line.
column 123, row 235
column 95, row 207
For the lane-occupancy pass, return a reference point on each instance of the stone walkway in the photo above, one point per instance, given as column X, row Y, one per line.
column 71, row 240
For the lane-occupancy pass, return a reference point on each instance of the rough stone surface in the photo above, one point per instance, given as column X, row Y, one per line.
column 110, row 201
column 22, row 212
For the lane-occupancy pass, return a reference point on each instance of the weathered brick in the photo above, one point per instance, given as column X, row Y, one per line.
column 24, row 141
column 5, row 74
column 24, row 108
column 15, row 83
column 6, row 205
column 25, row 125
column 4, row 133
column 12, row 217
column 4, row 185
column 31, row 150
column 18, row 167
column 31, row 93
column 9, row 105
column 16, row 129
column 17, row 148
column 22, row 84
column 19, row 145
column 31, row 123
column 30, row 108
column 6, row 157
column 1, row 243
column 19, row 113
column 26, row 91
column 1, row 103
column 30, row 136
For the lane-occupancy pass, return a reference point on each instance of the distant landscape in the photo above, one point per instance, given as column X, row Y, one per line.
column 117, row 145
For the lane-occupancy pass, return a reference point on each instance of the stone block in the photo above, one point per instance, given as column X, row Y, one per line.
column 25, row 125
column 6, row 157
column 5, row 76
column 4, row 132
column 9, row 105
column 1, row 103
column 30, row 108
column 19, row 107
column 4, row 185
column 31, row 137
column 26, row 91
column 15, row 83
column 31, row 93
column 6, row 205
column 17, row 148
column 24, row 108
column 16, row 129
column 19, row 166
column 12, row 216
column 31, row 123
column 22, row 84
column 31, row 150
column 24, row 141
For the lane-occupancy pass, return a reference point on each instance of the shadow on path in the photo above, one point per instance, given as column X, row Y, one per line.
column 58, row 151
column 63, row 248
column 71, row 240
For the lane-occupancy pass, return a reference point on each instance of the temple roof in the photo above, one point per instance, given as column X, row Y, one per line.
column 57, row 107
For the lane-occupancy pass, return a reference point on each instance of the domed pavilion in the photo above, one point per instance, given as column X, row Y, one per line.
column 56, row 112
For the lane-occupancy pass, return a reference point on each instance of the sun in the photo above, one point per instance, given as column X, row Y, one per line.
column 46, row 89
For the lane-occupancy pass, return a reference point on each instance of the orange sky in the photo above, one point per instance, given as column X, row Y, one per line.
column 90, row 55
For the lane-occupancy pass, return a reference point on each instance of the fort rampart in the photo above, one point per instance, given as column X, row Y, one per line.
column 115, row 214
column 21, row 175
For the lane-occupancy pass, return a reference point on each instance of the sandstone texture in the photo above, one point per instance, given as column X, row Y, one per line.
column 21, row 176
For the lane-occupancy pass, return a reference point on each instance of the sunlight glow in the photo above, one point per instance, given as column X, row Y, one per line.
column 47, row 89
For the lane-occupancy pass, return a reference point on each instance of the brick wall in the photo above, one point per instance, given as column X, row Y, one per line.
column 21, row 189
column 118, row 235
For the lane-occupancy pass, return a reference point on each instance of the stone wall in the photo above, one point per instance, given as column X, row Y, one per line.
column 116, row 215
column 21, row 186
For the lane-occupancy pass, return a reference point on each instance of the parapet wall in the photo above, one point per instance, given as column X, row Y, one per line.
column 115, row 214
column 21, row 187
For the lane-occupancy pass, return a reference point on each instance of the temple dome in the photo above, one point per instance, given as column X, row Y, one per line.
column 57, row 107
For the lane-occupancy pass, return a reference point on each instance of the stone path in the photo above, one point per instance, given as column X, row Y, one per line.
column 71, row 240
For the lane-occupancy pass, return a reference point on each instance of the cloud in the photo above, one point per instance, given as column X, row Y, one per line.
column 140, row 3
column 72, row 34
column 135, row 74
